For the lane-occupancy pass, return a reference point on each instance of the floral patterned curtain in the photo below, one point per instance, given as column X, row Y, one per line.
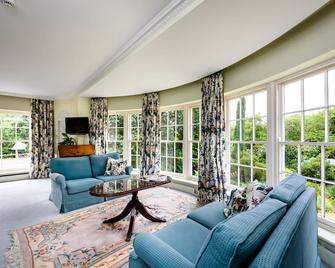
column 211, row 166
column 150, row 144
column 42, row 131
column 98, row 124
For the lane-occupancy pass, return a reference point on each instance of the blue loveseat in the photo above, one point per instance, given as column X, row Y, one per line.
column 72, row 177
column 279, row 232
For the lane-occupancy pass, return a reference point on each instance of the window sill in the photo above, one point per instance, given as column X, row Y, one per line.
column 6, row 173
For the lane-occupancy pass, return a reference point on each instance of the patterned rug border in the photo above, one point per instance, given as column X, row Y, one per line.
column 14, row 255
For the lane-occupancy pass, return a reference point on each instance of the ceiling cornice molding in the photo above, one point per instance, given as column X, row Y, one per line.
column 169, row 15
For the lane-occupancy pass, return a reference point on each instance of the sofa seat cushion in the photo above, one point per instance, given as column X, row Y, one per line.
column 99, row 162
column 236, row 241
column 209, row 215
column 72, row 168
column 289, row 189
column 185, row 236
column 111, row 178
column 81, row 185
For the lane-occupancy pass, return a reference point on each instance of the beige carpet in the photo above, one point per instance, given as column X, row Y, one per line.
column 79, row 239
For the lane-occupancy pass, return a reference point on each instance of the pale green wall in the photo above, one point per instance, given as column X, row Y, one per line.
column 310, row 39
column 14, row 103
column 186, row 93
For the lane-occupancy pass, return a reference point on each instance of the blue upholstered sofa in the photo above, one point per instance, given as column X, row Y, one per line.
column 279, row 232
column 72, row 177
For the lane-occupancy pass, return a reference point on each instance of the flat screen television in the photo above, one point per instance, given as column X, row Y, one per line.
column 76, row 125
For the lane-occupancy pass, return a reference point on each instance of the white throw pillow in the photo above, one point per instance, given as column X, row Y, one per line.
column 115, row 167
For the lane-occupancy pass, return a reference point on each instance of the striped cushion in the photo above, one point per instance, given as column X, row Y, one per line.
column 235, row 242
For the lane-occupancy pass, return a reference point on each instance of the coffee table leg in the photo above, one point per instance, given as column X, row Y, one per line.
column 131, row 225
column 131, row 204
column 141, row 208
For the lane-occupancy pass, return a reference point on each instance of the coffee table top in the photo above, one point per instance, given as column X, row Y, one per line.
column 132, row 184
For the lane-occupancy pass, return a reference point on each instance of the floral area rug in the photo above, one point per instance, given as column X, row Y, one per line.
column 79, row 239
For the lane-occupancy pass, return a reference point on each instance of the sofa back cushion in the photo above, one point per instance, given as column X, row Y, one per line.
column 236, row 241
column 289, row 189
column 98, row 163
column 294, row 241
column 72, row 167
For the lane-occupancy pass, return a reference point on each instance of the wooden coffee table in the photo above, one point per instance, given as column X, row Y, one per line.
column 132, row 186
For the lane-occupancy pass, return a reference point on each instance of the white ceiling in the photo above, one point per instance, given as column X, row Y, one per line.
column 123, row 47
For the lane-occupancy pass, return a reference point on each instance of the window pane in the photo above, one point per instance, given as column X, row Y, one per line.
column 235, row 130
column 330, row 202
column 111, row 147
column 8, row 121
column 330, row 163
column 7, row 148
column 133, row 148
column 172, row 118
column 195, row 150
column 112, row 121
column 317, row 187
column 23, row 121
column 291, row 159
column 261, row 129
column 195, row 168
column 179, row 149
column 233, row 153
column 234, row 109
column 8, row 134
column 331, row 124
column 259, row 155
column 170, row 164
column 171, row 133
column 261, row 103
column 133, row 161
column 259, row 175
column 164, row 133
column 120, row 120
column 119, row 147
column 233, row 174
column 292, row 97
column 195, row 132
column 134, row 134
column 163, row 149
column 293, row 127
column 315, row 125
column 331, row 87
column 247, row 107
column 179, row 134
column 163, row 118
column 247, row 129
column 245, row 154
column 170, row 149
column 180, row 117
column 179, row 165
column 311, row 161
column 163, row 163
column 120, row 134
column 245, row 176
column 195, row 115
column 134, row 120
column 314, row 94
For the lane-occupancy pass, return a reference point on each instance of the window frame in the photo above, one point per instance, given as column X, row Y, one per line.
column 16, row 113
column 275, row 122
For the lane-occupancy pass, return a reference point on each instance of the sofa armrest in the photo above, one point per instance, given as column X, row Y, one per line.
column 129, row 170
column 156, row 253
column 59, row 179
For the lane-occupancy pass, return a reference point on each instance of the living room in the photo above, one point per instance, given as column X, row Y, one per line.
column 167, row 133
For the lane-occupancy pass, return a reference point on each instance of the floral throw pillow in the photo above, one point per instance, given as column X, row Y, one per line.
column 115, row 167
column 256, row 192
column 236, row 203
column 247, row 198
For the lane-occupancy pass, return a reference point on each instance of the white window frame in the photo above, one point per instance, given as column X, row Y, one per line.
column 274, row 119
column 189, row 138
column 4, row 171
column 270, row 130
column 128, row 138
